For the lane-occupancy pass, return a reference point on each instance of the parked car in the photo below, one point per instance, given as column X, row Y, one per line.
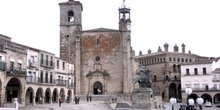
column 208, row 104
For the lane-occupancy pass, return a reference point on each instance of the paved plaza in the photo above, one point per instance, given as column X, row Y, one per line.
column 95, row 105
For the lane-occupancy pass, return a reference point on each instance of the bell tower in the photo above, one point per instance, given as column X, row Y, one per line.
column 125, row 29
column 70, row 36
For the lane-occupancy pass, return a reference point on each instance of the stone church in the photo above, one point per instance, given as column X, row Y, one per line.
column 103, row 57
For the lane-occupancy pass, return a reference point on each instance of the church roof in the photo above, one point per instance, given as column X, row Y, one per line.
column 101, row 30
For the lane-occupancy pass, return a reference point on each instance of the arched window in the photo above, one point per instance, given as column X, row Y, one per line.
column 155, row 78
column 70, row 16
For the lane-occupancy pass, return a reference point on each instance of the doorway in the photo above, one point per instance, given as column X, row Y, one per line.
column 97, row 88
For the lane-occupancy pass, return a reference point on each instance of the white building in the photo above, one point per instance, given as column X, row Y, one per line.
column 200, row 77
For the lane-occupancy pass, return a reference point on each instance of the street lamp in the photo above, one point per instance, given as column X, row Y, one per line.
column 190, row 102
column 173, row 102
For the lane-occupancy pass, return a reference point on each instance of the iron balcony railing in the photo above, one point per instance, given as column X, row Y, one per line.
column 47, row 63
column 58, row 82
column 17, row 71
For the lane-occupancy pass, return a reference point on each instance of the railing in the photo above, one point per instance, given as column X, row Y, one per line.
column 58, row 82
column 216, row 80
column 33, row 64
column 2, row 66
column 16, row 71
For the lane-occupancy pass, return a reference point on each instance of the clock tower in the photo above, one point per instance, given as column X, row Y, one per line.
column 125, row 30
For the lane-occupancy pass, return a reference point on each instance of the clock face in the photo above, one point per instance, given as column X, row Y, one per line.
column 128, row 27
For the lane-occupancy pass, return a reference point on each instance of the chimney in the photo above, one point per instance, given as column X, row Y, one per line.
column 183, row 48
column 159, row 49
column 176, row 48
column 140, row 52
column 166, row 47
column 149, row 51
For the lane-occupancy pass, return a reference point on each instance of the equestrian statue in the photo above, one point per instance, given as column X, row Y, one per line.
column 143, row 77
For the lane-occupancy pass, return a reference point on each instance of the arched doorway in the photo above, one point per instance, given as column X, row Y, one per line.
column 55, row 95
column 193, row 96
column 47, row 95
column 207, row 97
column 217, row 98
column 29, row 96
column 97, row 88
column 13, row 90
column 172, row 90
column 62, row 94
column 39, row 96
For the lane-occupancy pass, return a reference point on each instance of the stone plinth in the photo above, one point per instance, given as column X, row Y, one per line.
column 141, row 99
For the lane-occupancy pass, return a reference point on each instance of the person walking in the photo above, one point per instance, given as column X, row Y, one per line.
column 90, row 98
column 87, row 98
column 60, row 101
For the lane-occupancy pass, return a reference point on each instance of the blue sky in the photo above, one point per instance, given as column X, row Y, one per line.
column 196, row 23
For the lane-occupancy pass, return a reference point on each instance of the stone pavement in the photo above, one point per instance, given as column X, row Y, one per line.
column 83, row 105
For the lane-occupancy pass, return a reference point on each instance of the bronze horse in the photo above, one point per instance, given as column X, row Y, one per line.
column 143, row 78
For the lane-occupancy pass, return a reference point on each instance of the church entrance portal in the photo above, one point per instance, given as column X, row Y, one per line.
column 97, row 88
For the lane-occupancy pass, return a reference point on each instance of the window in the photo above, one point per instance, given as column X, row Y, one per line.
column 196, row 86
column 155, row 78
column 174, row 59
column 51, row 61
column 58, row 64
column 170, row 59
column 204, row 71
column 190, row 60
column 195, row 71
column 187, row 71
column 19, row 66
column 178, row 59
column 0, row 58
column 188, row 85
column 11, row 66
column 63, row 65
column 32, row 60
column 186, row 60
column 214, row 78
column 47, row 60
column 97, row 42
column 42, row 59
column 215, row 87
column 70, row 16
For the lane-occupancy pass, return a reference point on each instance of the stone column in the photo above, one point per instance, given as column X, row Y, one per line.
column 50, row 99
column 43, row 98
column 34, row 103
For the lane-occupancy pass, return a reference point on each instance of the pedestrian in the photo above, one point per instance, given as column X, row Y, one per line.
column 75, row 99
column 60, row 101
column 90, row 98
column 87, row 98
column 78, row 98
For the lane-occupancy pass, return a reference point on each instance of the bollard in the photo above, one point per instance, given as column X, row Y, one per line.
column 15, row 103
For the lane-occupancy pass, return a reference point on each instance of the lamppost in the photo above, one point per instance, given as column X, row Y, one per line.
column 173, row 102
column 190, row 102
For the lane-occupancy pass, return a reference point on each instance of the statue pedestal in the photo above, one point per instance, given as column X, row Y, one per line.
column 141, row 99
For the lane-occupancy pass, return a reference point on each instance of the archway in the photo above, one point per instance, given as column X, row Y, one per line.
column 193, row 96
column 69, row 95
column 62, row 94
column 207, row 97
column 29, row 96
column 172, row 90
column 55, row 95
column 97, row 88
column 179, row 92
column 39, row 96
column 217, row 98
column 47, row 95
column 13, row 90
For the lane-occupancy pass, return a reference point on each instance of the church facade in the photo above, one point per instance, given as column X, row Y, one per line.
column 102, row 57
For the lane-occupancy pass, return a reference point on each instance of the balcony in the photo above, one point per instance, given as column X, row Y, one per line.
column 33, row 64
column 2, row 66
column 16, row 71
column 216, row 80
column 203, row 89
column 46, row 63
column 60, row 82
